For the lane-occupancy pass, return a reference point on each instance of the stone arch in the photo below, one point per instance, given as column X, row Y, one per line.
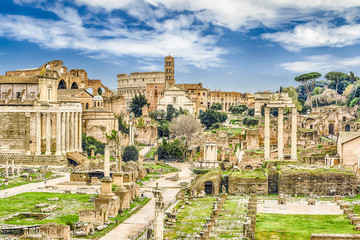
column 331, row 129
column 74, row 85
column 62, row 84
column 347, row 128
column 209, row 188
column 101, row 91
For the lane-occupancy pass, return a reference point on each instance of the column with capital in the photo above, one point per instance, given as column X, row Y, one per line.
column 72, row 139
column 294, row 134
column 267, row 134
column 48, row 134
column 58, row 133
column 38, row 133
column 281, row 133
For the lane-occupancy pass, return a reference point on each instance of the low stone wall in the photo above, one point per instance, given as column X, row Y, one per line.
column 334, row 236
column 54, row 231
column 320, row 182
column 239, row 184
column 21, row 159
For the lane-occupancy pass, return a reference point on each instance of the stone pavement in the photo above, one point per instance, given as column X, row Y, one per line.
column 321, row 208
column 145, row 216
column 33, row 187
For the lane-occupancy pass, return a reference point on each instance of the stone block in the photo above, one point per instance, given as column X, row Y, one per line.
column 348, row 211
column 54, row 231
column 355, row 220
column 350, row 216
column 337, row 198
column 311, row 201
column 344, row 205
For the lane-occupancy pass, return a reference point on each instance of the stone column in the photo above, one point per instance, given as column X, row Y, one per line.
column 38, row 133
column 12, row 169
column 294, row 134
column 67, row 132
column 131, row 131
column 267, row 134
column 281, row 133
column 107, row 162
column 58, row 133
column 159, row 214
column 80, row 132
column 48, row 134
column 257, row 109
column 76, row 135
column 63, row 132
column 7, row 169
column 72, row 130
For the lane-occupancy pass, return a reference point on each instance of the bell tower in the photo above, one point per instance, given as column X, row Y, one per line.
column 169, row 71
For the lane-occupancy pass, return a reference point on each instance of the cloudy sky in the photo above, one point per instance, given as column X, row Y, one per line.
column 232, row 45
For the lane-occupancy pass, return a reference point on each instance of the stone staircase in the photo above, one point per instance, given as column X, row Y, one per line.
column 78, row 158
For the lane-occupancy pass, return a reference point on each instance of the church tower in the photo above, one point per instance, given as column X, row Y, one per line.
column 169, row 71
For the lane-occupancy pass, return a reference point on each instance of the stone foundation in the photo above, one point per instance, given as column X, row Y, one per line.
column 21, row 159
column 54, row 231
column 334, row 236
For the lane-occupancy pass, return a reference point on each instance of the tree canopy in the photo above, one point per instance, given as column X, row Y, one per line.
column 238, row 109
column 130, row 154
column 137, row 103
column 216, row 106
column 308, row 79
column 210, row 116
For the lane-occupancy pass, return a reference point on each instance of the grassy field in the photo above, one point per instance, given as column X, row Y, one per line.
column 69, row 205
column 21, row 181
column 190, row 219
column 289, row 227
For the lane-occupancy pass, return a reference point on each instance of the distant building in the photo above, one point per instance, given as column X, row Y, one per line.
column 178, row 97
column 348, row 147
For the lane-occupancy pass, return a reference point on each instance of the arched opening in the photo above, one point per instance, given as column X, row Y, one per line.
column 74, row 86
column 311, row 126
column 331, row 129
column 101, row 91
column 62, row 84
column 209, row 188
column 347, row 128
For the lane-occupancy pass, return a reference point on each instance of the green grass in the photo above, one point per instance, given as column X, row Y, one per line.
column 21, row 181
column 289, row 227
column 69, row 204
column 191, row 218
column 151, row 153
column 256, row 173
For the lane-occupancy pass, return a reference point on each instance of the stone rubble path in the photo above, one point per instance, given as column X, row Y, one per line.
column 33, row 187
column 140, row 220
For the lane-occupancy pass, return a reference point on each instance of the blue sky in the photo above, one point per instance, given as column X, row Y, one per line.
column 232, row 45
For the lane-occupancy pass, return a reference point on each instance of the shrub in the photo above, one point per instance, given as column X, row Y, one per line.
column 130, row 154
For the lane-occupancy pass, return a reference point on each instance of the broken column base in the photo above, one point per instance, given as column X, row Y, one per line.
column 124, row 197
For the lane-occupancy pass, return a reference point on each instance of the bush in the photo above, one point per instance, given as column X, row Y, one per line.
column 169, row 150
column 251, row 112
column 89, row 143
column 320, row 146
column 210, row 117
column 130, row 154
column 250, row 121
column 354, row 102
column 238, row 109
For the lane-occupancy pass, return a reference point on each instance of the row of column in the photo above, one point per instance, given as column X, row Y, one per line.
column 281, row 133
column 210, row 152
column 68, row 132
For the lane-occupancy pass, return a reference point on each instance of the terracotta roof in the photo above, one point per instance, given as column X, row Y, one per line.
column 347, row 136
column 189, row 86
column 19, row 79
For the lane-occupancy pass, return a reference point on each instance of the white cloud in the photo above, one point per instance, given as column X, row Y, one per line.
column 322, row 63
column 113, row 40
column 316, row 35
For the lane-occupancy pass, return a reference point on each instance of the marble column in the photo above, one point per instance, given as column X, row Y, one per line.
column 7, row 169
column 67, row 132
column 72, row 135
column 267, row 134
column 63, row 132
column 76, row 135
column 12, row 169
column 280, row 133
column 80, row 132
column 107, row 162
column 48, row 134
column 58, row 133
column 294, row 134
column 38, row 133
